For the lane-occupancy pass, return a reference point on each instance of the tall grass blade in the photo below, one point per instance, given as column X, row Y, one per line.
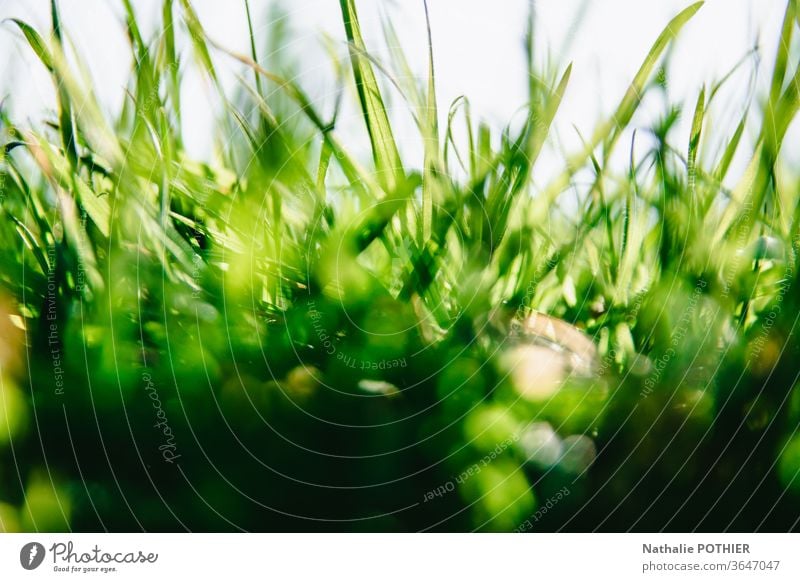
column 198, row 38
column 36, row 42
column 781, row 109
column 430, row 189
column 694, row 142
column 172, row 63
column 608, row 133
column 65, row 117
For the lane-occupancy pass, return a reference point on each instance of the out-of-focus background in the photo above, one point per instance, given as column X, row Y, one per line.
column 478, row 52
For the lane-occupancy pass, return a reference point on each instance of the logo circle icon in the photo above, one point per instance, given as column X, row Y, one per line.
column 31, row 555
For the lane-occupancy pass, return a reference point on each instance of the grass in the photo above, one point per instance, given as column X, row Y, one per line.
column 293, row 337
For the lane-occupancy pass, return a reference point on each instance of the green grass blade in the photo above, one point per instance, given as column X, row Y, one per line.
column 357, row 175
column 44, row 54
column 36, row 42
column 171, row 61
column 373, row 225
column 608, row 133
column 430, row 181
column 65, row 117
column 253, row 51
column 780, row 111
column 57, row 169
column 782, row 56
column 522, row 155
column 95, row 127
column 384, row 149
column 630, row 102
column 34, row 245
column 540, row 128
column 730, row 150
column 198, row 38
column 694, row 141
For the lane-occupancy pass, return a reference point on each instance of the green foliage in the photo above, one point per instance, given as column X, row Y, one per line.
column 290, row 337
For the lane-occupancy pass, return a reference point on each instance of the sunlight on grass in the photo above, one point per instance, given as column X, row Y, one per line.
column 328, row 337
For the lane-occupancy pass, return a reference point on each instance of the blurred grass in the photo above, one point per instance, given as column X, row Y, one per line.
column 292, row 337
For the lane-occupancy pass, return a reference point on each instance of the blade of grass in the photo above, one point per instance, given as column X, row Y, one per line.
column 57, row 169
column 782, row 56
column 359, row 178
column 730, row 150
column 35, row 41
column 198, row 38
column 781, row 110
column 65, row 117
column 172, row 63
column 523, row 154
column 430, row 183
column 41, row 50
column 608, row 133
column 95, row 128
column 694, row 143
column 253, row 51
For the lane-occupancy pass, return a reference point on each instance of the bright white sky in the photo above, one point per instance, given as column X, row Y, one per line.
column 477, row 44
